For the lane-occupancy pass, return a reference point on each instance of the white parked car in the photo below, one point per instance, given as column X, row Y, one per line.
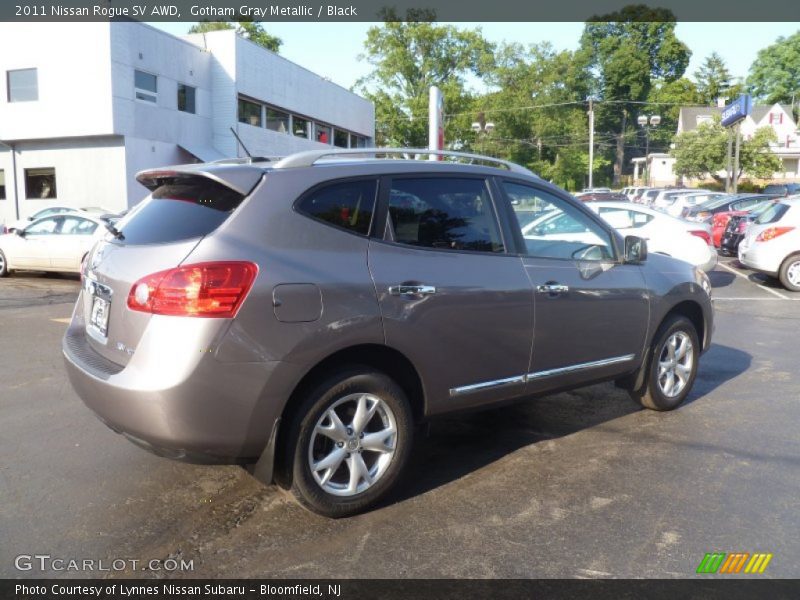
column 50, row 211
column 772, row 243
column 688, row 200
column 55, row 243
column 690, row 242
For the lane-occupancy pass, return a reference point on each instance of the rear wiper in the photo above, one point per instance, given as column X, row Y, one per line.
column 114, row 231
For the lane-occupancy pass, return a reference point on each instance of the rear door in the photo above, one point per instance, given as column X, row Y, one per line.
column 452, row 298
column 73, row 241
column 591, row 311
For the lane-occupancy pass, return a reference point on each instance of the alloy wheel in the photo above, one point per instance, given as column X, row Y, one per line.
column 352, row 444
column 675, row 364
column 793, row 273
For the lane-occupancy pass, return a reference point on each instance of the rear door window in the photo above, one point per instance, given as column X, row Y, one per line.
column 443, row 213
column 181, row 208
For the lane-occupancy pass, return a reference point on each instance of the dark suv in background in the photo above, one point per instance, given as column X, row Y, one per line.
column 305, row 315
column 782, row 189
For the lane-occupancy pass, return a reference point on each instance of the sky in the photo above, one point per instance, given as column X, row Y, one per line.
column 332, row 49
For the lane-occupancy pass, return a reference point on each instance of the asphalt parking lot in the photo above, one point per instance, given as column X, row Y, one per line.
column 580, row 484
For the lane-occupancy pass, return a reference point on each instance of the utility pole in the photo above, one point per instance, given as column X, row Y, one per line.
column 591, row 141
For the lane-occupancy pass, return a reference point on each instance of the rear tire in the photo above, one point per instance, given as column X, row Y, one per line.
column 671, row 365
column 3, row 265
column 790, row 273
column 349, row 442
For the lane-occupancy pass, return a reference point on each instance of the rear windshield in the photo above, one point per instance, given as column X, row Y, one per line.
column 180, row 208
column 772, row 214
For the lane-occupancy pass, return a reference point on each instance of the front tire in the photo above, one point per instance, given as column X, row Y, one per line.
column 349, row 442
column 790, row 273
column 671, row 365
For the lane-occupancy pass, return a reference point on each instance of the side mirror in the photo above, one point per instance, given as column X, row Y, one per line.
column 635, row 249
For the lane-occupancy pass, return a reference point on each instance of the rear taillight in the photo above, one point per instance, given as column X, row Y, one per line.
column 212, row 289
column 701, row 233
column 772, row 233
column 720, row 220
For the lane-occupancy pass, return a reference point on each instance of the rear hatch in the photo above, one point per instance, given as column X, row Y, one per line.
column 185, row 205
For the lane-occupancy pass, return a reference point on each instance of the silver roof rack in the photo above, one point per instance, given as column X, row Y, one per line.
column 311, row 157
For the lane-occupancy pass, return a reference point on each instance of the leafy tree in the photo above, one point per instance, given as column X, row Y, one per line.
column 665, row 99
column 714, row 80
column 626, row 51
column 704, row 151
column 250, row 30
column 408, row 57
column 539, row 112
column 775, row 74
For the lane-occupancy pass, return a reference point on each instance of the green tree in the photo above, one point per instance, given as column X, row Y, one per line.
column 538, row 108
column 408, row 57
column 775, row 73
column 250, row 30
column 713, row 79
column 704, row 151
column 626, row 51
column 665, row 99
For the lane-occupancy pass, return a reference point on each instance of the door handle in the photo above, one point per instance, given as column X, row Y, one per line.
column 411, row 290
column 552, row 288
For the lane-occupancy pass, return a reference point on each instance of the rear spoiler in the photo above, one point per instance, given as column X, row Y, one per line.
column 239, row 178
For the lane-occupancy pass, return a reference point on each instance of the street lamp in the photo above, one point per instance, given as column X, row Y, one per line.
column 643, row 121
column 482, row 128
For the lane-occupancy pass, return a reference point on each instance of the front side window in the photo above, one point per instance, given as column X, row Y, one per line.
column 186, row 98
column 23, row 85
column 444, row 213
column 44, row 227
column 2, row 184
column 340, row 138
column 300, row 127
column 347, row 204
column 40, row 183
column 249, row 113
column 146, row 85
column 277, row 121
column 556, row 229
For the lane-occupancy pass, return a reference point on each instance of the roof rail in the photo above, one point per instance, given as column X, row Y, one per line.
column 310, row 157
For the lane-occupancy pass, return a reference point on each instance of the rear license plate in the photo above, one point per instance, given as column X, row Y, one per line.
column 99, row 316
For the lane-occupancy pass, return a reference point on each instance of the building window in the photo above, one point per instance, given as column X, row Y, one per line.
column 146, row 85
column 277, row 121
column 249, row 113
column 300, row 127
column 322, row 133
column 2, row 184
column 775, row 118
column 357, row 141
column 340, row 138
column 40, row 183
column 186, row 94
column 23, row 85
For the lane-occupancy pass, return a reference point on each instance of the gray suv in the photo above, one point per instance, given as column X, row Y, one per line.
column 305, row 316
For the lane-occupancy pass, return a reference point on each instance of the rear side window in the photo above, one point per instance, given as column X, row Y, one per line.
column 347, row 204
column 773, row 214
column 180, row 208
column 444, row 213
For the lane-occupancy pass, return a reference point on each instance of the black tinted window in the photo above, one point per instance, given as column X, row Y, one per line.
column 453, row 214
column 347, row 204
column 180, row 208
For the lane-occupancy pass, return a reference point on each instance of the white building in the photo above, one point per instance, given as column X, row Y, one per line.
column 84, row 106
column 777, row 116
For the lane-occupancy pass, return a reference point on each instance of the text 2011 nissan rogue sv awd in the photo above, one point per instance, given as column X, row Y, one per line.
column 307, row 314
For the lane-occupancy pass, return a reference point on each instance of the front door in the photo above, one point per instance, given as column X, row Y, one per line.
column 591, row 310
column 33, row 252
column 451, row 297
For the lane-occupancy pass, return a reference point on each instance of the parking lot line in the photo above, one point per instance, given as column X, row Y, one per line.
column 715, row 298
column 740, row 274
column 64, row 320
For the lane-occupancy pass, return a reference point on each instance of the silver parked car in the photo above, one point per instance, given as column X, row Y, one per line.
column 306, row 315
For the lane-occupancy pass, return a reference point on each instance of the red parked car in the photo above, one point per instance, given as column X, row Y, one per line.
column 720, row 220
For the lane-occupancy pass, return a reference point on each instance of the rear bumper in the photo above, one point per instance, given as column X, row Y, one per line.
column 756, row 258
column 189, row 406
column 711, row 262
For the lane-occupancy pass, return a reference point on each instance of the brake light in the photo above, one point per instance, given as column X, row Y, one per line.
column 720, row 220
column 703, row 234
column 772, row 233
column 211, row 289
